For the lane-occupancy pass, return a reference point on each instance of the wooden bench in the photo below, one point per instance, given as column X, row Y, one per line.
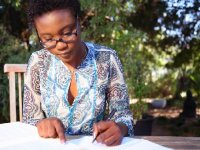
column 12, row 70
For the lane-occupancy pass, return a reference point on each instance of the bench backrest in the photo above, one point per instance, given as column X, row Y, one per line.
column 12, row 70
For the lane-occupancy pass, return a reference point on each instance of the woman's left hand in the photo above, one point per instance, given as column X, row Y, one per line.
column 111, row 133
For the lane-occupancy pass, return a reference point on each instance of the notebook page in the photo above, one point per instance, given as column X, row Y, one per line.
column 20, row 136
column 16, row 133
column 127, row 144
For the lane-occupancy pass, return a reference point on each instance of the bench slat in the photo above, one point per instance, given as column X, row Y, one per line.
column 11, row 70
column 12, row 91
column 15, row 68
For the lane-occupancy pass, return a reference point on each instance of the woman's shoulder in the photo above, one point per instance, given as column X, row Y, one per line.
column 38, row 58
column 103, row 54
column 100, row 49
column 41, row 53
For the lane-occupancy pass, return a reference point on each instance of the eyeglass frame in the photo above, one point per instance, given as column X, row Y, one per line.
column 60, row 39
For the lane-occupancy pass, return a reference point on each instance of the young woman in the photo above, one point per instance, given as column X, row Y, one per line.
column 69, row 82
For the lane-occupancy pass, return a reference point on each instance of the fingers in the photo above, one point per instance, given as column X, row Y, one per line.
column 117, row 142
column 113, row 141
column 95, row 130
column 51, row 128
column 42, row 130
column 110, row 133
column 103, row 125
column 105, row 135
column 60, row 131
column 98, row 128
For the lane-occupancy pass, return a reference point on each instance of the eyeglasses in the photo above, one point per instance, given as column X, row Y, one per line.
column 69, row 37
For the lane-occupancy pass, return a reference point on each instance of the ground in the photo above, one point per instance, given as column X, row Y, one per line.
column 167, row 122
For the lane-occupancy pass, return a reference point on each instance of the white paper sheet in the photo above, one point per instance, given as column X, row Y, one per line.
column 19, row 136
column 127, row 144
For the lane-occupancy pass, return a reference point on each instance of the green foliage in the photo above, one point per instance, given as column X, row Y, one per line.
column 163, row 87
column 138, row 109
column 12, row 51
column 137, row 82
column 17, row 4
column 107, row 24
column 173, row 31
column 13, row 17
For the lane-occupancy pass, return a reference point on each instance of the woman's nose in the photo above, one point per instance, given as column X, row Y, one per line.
column 61, row 45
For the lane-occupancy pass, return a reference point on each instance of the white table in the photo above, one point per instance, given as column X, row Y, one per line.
column 19, row 136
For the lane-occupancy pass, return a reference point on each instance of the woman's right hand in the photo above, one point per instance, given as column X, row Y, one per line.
column 51, row 128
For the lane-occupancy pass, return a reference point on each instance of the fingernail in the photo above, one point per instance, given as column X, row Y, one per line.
column 62, row 141
column 94, row 135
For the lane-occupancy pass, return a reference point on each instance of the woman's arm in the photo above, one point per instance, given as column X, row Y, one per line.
column 118, row 97
column 121, row 124
column 32, row 111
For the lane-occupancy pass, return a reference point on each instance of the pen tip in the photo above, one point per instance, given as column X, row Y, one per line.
column 93, row 140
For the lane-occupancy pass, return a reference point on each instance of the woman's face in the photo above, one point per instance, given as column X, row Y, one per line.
column 55, row 25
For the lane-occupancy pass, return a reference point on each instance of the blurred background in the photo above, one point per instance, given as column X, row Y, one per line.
column 158, row 42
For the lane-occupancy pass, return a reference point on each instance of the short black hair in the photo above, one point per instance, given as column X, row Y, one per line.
column 39, row 7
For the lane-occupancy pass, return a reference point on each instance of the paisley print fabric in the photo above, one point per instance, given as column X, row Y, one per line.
column 100, row 83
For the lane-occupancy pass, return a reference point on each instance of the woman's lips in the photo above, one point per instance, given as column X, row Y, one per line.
column 64, row 54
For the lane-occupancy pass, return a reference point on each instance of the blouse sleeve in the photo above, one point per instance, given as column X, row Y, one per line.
column 32, row 111
column 118, row 95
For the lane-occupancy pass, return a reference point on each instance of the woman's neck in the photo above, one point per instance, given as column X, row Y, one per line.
column 79, row 59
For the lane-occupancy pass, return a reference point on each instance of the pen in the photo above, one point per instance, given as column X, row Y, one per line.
column 108, row 118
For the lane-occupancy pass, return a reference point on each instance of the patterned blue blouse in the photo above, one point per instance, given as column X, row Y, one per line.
column 100, row 83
